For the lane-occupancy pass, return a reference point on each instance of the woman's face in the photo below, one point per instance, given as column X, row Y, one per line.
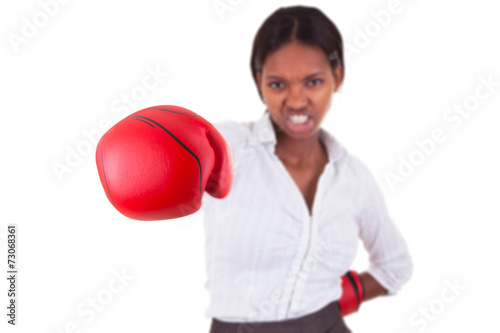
column 297, row 85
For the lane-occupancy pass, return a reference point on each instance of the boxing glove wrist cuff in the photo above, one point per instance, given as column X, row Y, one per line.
column 353, row 293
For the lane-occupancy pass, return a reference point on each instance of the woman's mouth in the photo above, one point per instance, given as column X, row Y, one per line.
column 299, row 123
column 299, row 119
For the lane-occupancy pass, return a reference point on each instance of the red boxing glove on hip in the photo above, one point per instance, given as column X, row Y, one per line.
column 156, row 163
column 353, row 292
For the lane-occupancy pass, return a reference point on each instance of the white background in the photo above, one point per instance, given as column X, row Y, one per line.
column 65, row 79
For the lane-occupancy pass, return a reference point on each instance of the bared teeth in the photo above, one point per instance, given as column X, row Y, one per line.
column 298, row 119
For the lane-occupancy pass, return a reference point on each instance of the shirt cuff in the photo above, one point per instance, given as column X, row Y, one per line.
column 391, row 280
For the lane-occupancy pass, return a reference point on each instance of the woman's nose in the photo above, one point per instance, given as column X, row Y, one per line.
column 296, row 98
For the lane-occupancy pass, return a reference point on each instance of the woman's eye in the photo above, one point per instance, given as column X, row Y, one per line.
column 276, row 85
column 315, row 82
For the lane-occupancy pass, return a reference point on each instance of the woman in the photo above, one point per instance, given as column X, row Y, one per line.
column 278, row 244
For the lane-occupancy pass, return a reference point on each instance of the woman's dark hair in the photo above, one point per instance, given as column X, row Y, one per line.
column 306, row 25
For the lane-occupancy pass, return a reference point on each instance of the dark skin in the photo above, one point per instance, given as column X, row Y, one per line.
column 297, row 79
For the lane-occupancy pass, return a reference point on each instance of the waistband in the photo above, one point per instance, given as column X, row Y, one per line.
column 326, row 320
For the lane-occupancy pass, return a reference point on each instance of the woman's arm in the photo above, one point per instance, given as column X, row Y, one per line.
column 390, row 261
column 372, row 287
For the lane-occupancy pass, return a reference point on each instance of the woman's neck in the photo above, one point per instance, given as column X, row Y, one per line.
column 300, row 152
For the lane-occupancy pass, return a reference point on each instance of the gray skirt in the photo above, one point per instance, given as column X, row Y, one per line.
column 325, row 320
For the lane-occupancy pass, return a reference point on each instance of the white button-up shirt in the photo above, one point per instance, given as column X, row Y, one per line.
column 267, row 257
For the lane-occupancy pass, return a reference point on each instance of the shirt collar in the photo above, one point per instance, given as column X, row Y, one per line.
column 263, row 133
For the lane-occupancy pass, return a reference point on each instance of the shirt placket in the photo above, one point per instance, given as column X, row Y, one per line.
column 295, row 280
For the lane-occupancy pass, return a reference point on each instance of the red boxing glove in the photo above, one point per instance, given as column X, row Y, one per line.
column 156, row 163
column 353, row 293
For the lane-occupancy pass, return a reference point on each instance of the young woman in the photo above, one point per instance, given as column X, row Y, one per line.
column 279, row 243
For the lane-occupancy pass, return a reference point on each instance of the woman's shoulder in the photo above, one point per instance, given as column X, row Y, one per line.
column 245, row 132
column 234, row 132
column 344, row 158
column 233, row 128
column 347, row 162
column 361, row 173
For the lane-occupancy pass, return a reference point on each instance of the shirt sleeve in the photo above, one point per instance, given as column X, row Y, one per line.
column 390, row 261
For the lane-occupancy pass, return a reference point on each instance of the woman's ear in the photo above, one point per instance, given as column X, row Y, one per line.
column 258, row 80
column 337, row 74
column 258, row 77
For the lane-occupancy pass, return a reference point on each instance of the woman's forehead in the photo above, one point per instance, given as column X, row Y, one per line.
column 296, row 58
